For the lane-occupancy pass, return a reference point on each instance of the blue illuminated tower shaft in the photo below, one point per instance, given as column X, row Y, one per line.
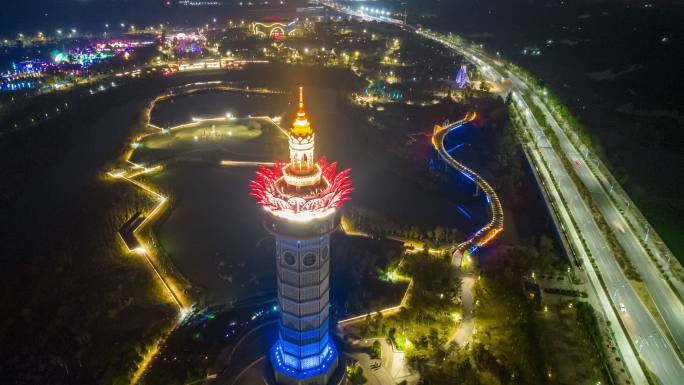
column 304, row 352
column 301, row 199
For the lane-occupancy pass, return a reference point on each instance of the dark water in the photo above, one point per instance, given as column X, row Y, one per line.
column 182, row 109
column 214, row 233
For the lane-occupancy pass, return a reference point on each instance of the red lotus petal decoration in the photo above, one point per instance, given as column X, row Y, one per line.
column 265, row 191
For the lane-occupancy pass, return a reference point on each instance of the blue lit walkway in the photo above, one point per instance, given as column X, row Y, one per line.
column 485, row 234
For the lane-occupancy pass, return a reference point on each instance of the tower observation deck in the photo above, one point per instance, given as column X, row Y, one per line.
column 301, row 199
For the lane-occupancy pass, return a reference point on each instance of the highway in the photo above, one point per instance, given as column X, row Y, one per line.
column 609, row 282
column 668, row 304
column 613, row 191
column 635, row 330
column 612, row 288
column 615, row 288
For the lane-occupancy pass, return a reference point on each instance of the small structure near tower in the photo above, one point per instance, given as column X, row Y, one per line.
column 462, row 80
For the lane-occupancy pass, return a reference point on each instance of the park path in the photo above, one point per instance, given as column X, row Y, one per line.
column 467, row 326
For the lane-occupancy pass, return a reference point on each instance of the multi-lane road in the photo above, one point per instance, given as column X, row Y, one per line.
column 612, row 289
column 648, row 338
column 664, row 297
column 636, row 331
column 610, row 284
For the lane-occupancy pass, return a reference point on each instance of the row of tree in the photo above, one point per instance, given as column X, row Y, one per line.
column 377, row 225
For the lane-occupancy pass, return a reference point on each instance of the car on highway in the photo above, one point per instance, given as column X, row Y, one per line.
column 623, row 308
column 619, row 226
column 578, row 162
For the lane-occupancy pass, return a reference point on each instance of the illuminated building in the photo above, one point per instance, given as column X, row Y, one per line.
column 199, row 3
column 380, row 89
column 190, row 43
column 301, row 199
column 276, row 30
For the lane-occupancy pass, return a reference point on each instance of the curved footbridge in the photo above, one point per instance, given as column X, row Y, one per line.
column 489, row 231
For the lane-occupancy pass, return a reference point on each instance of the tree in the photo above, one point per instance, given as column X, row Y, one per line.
column 376, row 350
column 379, row 323
column 546, row 251
column 454, row 235
column 509, row 98
column 355, row 374
column 485, row 86
column 439, row 234
column 414, row 232
column 435, row 341
column 368, row 326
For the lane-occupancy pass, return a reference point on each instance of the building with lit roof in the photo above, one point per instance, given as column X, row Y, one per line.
column 301, row 200
column 277, row 30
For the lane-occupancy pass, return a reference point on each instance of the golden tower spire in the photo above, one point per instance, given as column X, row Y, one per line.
column 301, row 99
column 301, row 127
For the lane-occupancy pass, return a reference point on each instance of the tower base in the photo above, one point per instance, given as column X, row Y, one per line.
column 321, row 375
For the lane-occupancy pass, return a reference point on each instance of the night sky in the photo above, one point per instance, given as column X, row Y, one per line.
column 85, row 15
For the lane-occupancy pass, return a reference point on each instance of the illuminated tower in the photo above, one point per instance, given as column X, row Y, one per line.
column 462, row 77
column 301, row 199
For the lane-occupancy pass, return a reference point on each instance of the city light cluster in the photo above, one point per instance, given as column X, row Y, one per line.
column 73, row 61
column 190, row 43
column 376, row 11
column 90, row 54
